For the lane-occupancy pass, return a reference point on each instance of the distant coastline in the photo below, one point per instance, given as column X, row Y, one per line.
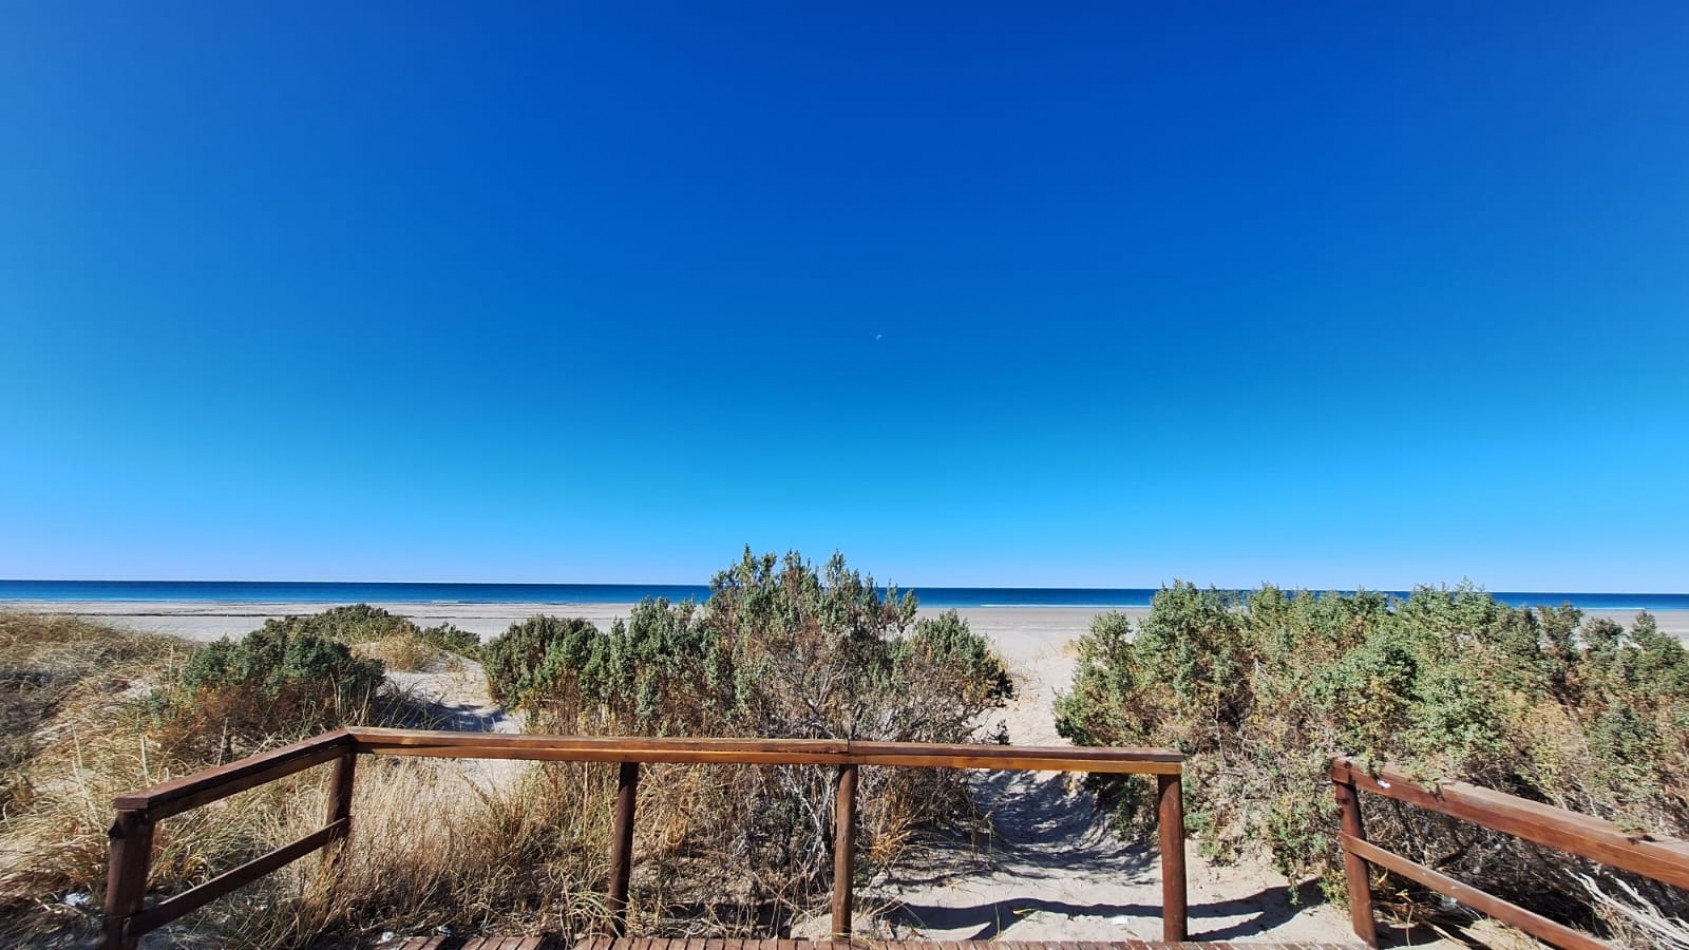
column 237, row 592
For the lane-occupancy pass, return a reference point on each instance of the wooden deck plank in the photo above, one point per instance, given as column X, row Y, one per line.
column 870, row 944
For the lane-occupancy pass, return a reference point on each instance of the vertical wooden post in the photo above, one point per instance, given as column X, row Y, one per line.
column 844, row 850
column 126, row 877
column 1170, row 817
column 1355, row 868
column 621, row 846
column 340, row 783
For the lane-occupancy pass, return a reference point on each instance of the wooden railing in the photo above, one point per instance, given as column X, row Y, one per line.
column 127, row 917
column 1663, row 859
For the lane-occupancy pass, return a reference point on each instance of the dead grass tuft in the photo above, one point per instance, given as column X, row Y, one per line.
column 405, row 652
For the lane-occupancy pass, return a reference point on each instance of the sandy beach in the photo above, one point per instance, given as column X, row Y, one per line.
column 1021, row 632
column 1056, row 873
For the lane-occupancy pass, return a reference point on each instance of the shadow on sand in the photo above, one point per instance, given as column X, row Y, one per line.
column 1048, row 833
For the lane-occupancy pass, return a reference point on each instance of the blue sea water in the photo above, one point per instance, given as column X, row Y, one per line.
column 375, row 593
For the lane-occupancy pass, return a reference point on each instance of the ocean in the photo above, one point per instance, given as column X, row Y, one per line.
column 338, row 592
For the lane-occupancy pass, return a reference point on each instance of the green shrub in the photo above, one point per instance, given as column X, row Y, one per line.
column 783, row 650
column 1261, row 691
column 348, row 624
column 355, row 624
column 534, row 655
column 452, row 640
column 271, row 683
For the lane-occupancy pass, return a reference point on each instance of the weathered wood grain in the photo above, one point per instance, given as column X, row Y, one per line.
column 194, row 898
column 1663, row 859
column 1512, row 914
column 178, row 795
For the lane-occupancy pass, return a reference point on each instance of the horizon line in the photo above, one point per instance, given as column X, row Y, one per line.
column 902, row 587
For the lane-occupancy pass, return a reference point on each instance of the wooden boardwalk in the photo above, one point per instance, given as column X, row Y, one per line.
column 858, row 944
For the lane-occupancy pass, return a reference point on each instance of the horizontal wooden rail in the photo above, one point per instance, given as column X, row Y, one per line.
column 196, row 897
column 191, row 791
column 1021, row 758
column 1508, row 913
column 1663, row 859
column 488, row 745
column 481, row 745
column 131, row 836
column 127, row 918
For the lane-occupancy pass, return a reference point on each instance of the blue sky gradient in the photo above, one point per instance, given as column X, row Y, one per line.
column 1098, row 295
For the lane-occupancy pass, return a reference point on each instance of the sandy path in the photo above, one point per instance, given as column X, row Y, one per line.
column 1057, row 872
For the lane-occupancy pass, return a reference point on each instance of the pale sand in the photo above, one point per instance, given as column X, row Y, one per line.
column 1055, row 874
column 1021, row 632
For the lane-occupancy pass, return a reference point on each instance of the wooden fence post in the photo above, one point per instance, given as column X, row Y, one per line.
column 1170, row 818
column 126, row 877
column 621, row 846
column 844, row 850
column 340, row 783
column 1356, row 868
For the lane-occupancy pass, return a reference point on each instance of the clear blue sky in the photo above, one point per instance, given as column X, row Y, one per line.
column 980, row 294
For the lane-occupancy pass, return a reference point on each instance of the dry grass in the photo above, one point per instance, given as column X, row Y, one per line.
column 72, row 688
column 522, row 850
column 1635, row 920
column 44, row 658
column 404, row 652
column 55, row 670
column 433, row 848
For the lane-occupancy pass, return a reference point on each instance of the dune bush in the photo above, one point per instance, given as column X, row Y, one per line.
column 1260, row 691
column 358, row 624
column 781, row 649
column 272, row 684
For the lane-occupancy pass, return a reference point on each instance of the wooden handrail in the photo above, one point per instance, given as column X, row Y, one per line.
column 1663, row 859
column 127, row 918
column 1018, row 758
column 1508, row 913
column 194, row 898
column 541, row 748
column 191, row 791
column 488, row 745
